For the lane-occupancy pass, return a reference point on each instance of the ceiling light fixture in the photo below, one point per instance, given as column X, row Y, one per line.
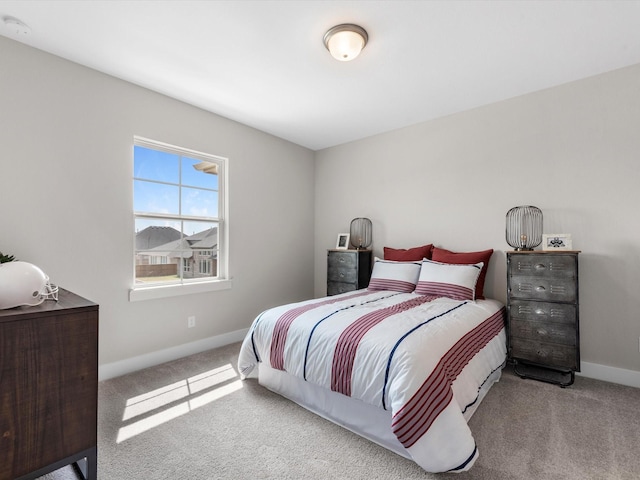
column 346, row 41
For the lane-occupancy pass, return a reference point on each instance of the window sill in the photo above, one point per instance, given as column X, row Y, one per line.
column 164, row 291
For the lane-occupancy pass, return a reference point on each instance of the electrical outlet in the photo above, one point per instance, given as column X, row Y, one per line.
column 191, row 322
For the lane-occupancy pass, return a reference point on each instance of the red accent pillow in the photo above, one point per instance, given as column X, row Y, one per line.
column 408, row 255
column 465, row 258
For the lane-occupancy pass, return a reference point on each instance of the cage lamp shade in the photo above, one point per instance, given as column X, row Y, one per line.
column 524, row 227
column 360, row 233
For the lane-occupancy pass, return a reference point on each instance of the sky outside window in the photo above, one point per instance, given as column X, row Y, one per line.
column 168, row 183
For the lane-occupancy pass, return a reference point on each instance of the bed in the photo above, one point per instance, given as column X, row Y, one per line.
column 404, row 362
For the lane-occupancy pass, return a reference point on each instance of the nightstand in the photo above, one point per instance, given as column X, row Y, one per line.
column 348, row 270
column 543, row 315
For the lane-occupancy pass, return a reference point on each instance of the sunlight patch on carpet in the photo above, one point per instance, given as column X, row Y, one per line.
column 191, row 393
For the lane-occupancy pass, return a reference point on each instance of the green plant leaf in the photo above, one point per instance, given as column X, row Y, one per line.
column 6, row 258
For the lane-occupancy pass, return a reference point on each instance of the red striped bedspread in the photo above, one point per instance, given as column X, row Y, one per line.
column 423, row 358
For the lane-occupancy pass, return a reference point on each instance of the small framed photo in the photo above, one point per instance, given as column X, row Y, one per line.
column 342, row 242
column 556, row 241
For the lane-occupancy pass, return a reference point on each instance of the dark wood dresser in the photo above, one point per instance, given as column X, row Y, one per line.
column 348, row 270
column 49, row 388
column 543, row 315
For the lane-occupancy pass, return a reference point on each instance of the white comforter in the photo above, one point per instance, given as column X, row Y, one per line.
column 423, row 358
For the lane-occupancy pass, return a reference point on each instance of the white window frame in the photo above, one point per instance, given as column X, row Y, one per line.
column 199, row 285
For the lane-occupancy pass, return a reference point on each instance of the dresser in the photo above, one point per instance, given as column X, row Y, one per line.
column 348, row 270
column 543, row 315
column 49, row 388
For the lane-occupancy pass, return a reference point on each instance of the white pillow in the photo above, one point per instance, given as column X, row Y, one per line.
column 448, row 280
column 394, row 276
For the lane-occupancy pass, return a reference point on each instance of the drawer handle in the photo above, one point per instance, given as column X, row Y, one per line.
column 542, row 353
column 540, row 288
column 540, row 266
column 542, row 332
column 341, row 259
column 341, row 275
column 539, row 311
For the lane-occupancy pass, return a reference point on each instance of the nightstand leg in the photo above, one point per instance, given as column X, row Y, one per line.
column 544, row 374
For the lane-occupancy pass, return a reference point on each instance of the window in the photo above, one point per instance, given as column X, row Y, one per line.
column 205, row 267
column 158, row 260
column 186, row 265
column 179, row 212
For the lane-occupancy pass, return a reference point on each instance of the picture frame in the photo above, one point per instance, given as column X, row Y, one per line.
column 556, row 241
column 343, row 241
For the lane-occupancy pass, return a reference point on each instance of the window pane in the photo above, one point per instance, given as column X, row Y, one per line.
column 198, row 173
column 155, row 165
column 199, row 203
column 155, row 242
column 165, row 253
column 155, row 197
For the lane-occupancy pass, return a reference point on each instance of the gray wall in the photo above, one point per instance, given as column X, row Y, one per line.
column 66, row 134
column 65, row 196
column 574, row 151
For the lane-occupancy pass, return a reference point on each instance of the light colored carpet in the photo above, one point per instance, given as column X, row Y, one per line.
column 193, row 419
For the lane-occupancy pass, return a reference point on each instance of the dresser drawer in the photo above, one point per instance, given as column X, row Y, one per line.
column 543, row 289
column 544, row 265
column 339, row 274
column 549, row 354
column 334, row 288
column 560, row 333
column 544, row 312
column 345, row 260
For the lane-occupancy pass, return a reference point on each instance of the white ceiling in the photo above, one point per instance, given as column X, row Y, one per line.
column 263, row 63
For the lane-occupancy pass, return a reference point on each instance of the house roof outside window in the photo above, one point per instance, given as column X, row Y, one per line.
column 184, row 247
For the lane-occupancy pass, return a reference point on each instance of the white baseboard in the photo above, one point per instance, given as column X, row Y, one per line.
column 122, row 367
column 621, row 376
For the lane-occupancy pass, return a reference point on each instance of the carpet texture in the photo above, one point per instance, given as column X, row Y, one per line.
column 193, row 419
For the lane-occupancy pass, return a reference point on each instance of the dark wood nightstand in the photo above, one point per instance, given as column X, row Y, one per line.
column 543, row 315
column 49, row 388
column 348, row 270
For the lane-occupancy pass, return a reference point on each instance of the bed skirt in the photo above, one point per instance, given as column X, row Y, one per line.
column 366, row 420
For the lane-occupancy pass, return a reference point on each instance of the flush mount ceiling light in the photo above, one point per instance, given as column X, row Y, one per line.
column 346, row 41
